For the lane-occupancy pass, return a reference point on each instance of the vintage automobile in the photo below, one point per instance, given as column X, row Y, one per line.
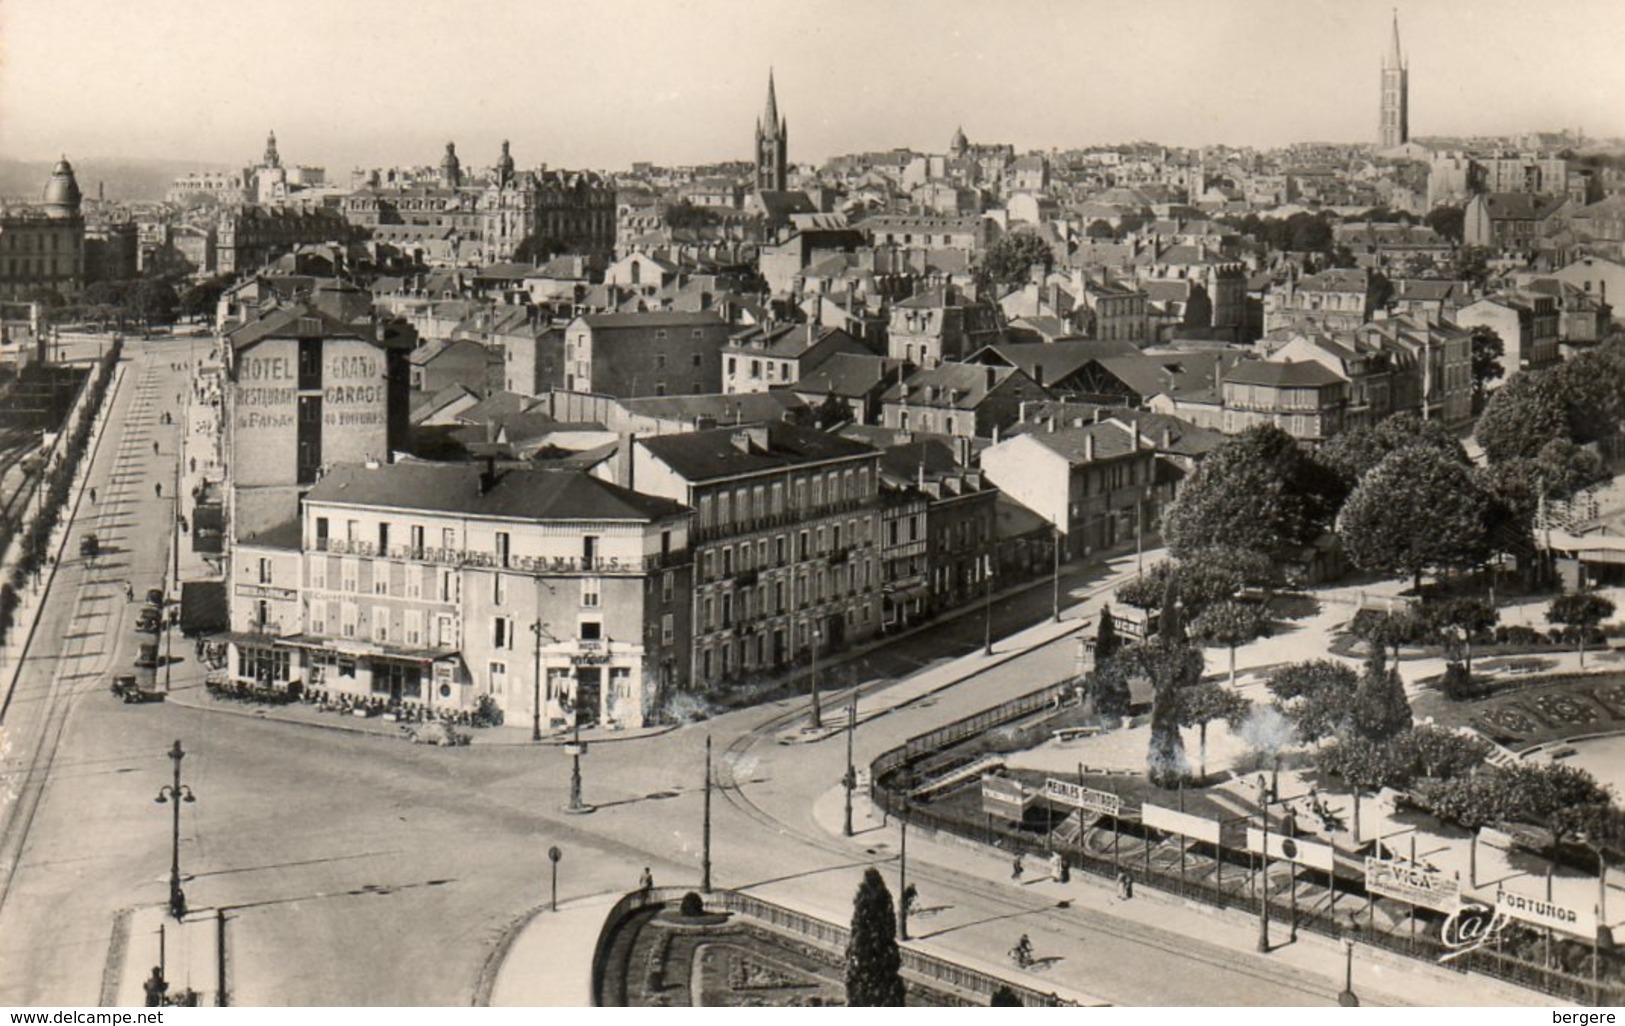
column 150, row 620
column 147, row 656
column 90, row 546
column 155, row 596
column 132, row 690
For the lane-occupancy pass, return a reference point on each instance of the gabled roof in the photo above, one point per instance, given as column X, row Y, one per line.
column 1050, row 362
column 1517, row 206
column 1073, row 444
column 706, row 455
column 446, row 396
column 652, row 319
column 1176, row 374
column 299, row 320
column 848, row 375
column 536, row 495
column 960, row 386
column 433, row 350
column 1303, row 374
column 496, row 406
column 736, row 408
column 1337, row 279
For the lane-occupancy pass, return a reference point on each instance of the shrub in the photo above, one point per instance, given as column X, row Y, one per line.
column 691, row 905
column 1458, row 684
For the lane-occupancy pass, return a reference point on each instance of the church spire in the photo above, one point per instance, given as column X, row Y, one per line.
column 1395, row 58
column 770, row 113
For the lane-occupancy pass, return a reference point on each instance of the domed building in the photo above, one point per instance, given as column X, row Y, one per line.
column 42, row 248
column 62, row 195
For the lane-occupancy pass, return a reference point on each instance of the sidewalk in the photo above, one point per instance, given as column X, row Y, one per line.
column 946, row 674
column 188, row 952
column 549, row 959
column 1380, row 977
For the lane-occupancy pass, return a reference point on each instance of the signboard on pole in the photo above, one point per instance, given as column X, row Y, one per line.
column 1006, row 798
column 1418, row 885
column 1064, row 792
column 1292, row 849
column 1182, row 823
column 1548, row 914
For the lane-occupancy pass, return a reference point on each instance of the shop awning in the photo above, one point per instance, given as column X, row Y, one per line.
column 369, row 649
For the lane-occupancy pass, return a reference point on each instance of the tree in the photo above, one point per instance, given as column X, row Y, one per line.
column 1470, row 616
column 1521, row 417
column 1317, row 696
column 1447, row 221
column 1009, row 261
column 1099, row 229
column 154, row 301
column 1106, row 640
column 1260, row 492
column 1145, row 591
column 1581, row 610
column 1109, row 686
column 1381, row 709
column 1230, row 623
column 873, row 961
column 200, row 299
column 1170, row 665
column 1201, row 705
column 1415, row 511
column 1487, row 349
column 1353, row 454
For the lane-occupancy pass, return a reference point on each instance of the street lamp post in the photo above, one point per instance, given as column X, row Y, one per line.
column 850, row 780
column 174, row 794
column 576, row 749
column 1348, row 999
column 817, row 711
column 553, row 857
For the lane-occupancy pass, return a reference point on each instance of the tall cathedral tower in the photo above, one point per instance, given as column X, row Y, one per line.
column 1396, row 127
column 772, row 145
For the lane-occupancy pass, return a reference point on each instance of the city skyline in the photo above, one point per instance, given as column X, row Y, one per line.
column 466, row 81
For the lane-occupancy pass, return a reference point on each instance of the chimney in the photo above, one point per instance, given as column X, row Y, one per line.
column 1089, row 447
column 1167, row 437
column 992, row 378
column 919, row 477
column 963, row 450
column 488, row 476
column 1049, row 424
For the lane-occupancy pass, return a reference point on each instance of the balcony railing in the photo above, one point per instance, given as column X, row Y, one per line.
column 608, row 565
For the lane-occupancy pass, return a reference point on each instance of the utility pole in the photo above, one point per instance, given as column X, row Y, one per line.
column 1264, row 877
column 174, row 794
column 536, row 680
column 987, row 605
column 705, row 856
column 902, row 878
column 817, row 712
column 851, row 778
column 1057, row 584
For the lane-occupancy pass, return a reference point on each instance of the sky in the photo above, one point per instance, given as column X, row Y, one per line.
column 603, row 83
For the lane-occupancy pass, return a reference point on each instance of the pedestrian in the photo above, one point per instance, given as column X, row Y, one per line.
column 129, row 592
column 155, row 447
column 1016, row 868
column 646, row 882
column 1057, row 866
column 155, row 986
column 158, row 489
column 1125, row 885
column 192, row 463
column 93, row 496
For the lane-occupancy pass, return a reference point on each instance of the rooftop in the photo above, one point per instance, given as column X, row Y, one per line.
column 537, row 495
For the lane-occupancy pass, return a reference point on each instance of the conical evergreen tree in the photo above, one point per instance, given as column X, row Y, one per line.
column 1106, row 640
column 1381, row 709
column 873, row 961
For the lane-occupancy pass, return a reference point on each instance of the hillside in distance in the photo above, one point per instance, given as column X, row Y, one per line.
column 124, row 179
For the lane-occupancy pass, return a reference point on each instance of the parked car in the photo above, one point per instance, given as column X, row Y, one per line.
column 147, row 656
column 149, row 620
column 89, row 546
column 155, row 596
column 133, row 691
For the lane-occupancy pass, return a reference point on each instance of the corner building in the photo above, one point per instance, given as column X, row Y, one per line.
column 559, row 596
column 786, row 541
